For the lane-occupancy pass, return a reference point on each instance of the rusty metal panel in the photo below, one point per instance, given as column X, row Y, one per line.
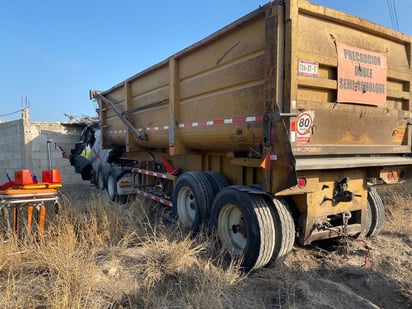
column 224, row 49
column 224, row 80
column 319, row 206
column 345, row 127
column 213, row 94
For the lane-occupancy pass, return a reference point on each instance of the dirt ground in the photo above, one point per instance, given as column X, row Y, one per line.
column 376, row 273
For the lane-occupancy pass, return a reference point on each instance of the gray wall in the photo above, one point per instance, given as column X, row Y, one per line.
column 23, row 145
column 11, row 148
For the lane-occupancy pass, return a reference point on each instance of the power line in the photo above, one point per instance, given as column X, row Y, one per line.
column 26, row 105
column 396, row 15
column 12, row 113
column 393, row 14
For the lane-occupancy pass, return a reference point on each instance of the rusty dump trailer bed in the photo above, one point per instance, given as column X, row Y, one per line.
column 301, row 109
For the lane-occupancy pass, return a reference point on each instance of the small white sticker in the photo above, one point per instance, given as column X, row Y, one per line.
column 308, row 68
column 293, row 136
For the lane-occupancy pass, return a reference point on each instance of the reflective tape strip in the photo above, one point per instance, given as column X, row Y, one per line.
column 198, row 124
column 155, row 198
column 150, row 173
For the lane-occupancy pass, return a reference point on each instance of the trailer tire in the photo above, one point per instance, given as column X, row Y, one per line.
column 101, row 178
column 375, row 216
column 112, row 187
column 245, row 226
column 192, row 200
column 217, row 181
column 285, row 231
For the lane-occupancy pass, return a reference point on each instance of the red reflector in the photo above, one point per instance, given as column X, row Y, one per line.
column 302, row 182
column 390, row 175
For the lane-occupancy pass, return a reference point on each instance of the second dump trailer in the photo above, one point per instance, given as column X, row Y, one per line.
column 274, row 129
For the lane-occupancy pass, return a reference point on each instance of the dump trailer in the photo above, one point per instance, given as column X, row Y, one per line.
column 272, row 131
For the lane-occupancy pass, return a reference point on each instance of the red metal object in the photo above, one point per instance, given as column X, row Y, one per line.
column 170, row 169
column 23, row 177
column 25, row 193
column 51, row 176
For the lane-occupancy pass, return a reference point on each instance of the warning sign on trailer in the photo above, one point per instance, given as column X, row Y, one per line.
column 362, row 75
column 304, row 124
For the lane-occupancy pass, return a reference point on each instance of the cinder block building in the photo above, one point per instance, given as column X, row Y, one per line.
column 23, row 145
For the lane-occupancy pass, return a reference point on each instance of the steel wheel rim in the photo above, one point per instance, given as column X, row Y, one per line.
column 232, row 229
column 186, row 206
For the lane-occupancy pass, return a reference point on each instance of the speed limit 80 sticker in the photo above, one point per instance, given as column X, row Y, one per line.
column 301, row 129
column 304, row 123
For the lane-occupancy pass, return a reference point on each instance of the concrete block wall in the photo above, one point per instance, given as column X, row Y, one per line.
column 24, row 145
column 11, row 148
column 59, row 136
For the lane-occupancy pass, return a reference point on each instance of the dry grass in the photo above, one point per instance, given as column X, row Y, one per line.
column 398, row 206
column 101, row 255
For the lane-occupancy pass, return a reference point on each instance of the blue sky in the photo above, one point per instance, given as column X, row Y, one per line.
column 53, row 52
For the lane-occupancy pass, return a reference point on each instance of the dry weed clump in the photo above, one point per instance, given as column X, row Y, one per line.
column 54, row 273
column 398, row 208
column 173, row 275
column 97, row 254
